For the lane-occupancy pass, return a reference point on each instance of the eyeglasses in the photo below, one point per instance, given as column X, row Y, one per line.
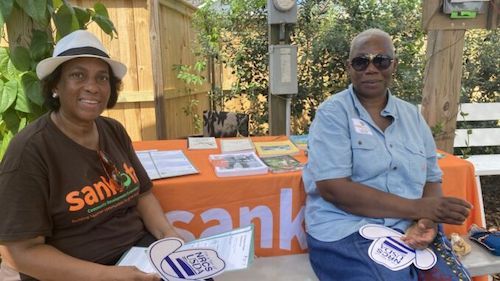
column 111, row 170
column 381, row 62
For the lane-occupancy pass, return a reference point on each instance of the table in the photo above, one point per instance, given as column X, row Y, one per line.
column 203, row 204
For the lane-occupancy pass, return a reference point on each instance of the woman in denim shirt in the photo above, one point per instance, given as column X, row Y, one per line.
column 372, row 160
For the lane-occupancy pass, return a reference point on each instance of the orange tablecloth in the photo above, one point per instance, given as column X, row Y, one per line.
column 203, row 204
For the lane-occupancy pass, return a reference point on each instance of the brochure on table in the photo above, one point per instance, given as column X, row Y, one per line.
column 282, row 163
column 300, row 141
column 236, row 145
column 199, row 259
column 237, row 164
column 165, row 163
column 274, row 148
column 202, row 143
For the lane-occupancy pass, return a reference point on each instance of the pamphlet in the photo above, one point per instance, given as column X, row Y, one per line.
column 282, row 163
column 232, row 250
column 165, row 163
column 237, row 164
column 300, row 141
column 274, row 148
column 236, row 145
column 202, row 143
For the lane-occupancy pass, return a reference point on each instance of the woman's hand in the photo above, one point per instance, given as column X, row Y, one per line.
column 448, row 210
column 421, row 234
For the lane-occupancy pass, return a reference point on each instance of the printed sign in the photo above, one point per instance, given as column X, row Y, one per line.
column 390, row 251
column 193, row 264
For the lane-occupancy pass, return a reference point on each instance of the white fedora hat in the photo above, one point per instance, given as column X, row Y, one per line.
column 77, row 44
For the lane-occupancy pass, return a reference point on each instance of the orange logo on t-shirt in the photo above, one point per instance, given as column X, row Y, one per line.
column 99, row 191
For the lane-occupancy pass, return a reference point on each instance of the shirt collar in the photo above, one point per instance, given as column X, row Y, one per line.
column 389, row 110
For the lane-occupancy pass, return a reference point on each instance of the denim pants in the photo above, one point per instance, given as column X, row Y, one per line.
column 347, row 260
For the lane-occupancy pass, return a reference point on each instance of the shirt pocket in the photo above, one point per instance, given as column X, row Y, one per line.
column 417, row 163
column 364, row 151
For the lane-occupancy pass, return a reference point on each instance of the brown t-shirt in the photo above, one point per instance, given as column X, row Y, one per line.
column 51, row 186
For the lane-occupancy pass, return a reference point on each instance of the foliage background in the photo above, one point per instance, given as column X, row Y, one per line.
column 33, row 27
column 235, row 33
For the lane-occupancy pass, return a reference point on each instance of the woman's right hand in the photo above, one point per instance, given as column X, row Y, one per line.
column 448, row 210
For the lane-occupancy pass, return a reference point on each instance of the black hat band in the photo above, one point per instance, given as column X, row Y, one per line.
column 83, row 51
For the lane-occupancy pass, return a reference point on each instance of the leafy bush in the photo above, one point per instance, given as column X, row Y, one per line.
column 31, row 39
column 236, row 34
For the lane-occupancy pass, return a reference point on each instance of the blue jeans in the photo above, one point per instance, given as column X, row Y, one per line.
column 347, row 259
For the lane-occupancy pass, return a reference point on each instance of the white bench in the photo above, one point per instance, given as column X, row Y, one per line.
column 297, row 267
column 484, row 164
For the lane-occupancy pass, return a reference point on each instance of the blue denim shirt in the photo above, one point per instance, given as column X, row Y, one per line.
column 345, row 142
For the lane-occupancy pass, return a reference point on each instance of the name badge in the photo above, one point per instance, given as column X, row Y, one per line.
column 389, row 250
column 361, row 127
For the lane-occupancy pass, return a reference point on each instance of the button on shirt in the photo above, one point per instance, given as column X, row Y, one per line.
column 345, row 142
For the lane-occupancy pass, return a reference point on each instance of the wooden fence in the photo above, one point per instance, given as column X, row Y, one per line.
column 153, row 36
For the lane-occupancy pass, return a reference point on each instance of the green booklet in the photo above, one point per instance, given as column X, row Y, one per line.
column 282, row 163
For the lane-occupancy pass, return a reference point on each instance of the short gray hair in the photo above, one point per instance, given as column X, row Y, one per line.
column 368, row 33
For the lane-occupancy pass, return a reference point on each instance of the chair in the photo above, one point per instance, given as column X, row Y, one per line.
column 222, row 124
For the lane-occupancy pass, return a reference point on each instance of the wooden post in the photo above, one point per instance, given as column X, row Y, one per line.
column 442, row 84
column 157, row 69
column 277, row 104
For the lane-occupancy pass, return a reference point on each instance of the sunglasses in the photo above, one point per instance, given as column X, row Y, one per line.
column 111, row 170
column 381, row 62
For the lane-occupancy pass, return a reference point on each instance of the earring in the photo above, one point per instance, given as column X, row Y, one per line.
column 55, row 95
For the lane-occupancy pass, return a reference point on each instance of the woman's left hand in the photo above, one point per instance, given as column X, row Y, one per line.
column 420, row 234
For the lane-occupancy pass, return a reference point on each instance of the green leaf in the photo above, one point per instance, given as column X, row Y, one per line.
column 40, row 45
column 4, row 61
column 9, row 94
column 65, row 20
column 32, row 88
column 35, row 9
column 104, row 23
column 5, row 142
column 6, row 8
column 57, row 3
column 101, row 10
column 21, row 58
column 22, row 103
column 11, row 120
column 83, row 16
column 12, row 72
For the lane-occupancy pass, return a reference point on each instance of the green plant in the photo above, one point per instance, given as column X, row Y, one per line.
column 466, row 151
column 237, row 35
column 31, row 39
column 192, row 76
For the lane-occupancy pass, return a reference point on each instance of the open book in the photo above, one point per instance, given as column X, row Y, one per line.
column 165, row 163
column 232, row 250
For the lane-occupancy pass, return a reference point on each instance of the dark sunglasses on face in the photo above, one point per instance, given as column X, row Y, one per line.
column 361, row 63
column 111, row 170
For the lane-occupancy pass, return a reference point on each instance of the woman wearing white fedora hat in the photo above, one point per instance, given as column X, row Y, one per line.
column 73, row 193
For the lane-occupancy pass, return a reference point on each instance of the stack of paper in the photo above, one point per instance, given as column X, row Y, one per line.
column 165, row 163
column 235, row 248
column 275, row 148
column 237, row 164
